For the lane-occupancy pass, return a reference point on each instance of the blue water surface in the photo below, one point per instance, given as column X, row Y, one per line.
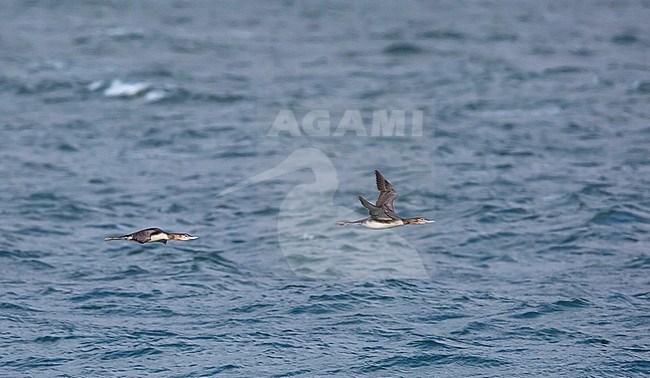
column 533, row 160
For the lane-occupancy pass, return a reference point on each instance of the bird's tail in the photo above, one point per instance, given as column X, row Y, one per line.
column 346, row 222
column 125, row 237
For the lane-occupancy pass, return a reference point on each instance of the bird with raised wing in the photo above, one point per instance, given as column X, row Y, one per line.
column 382, row 214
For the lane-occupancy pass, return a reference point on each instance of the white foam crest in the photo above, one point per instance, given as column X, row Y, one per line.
column 122, row 89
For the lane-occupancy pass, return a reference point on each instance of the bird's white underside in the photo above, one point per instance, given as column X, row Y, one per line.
column 380, row 225
column 157, row 237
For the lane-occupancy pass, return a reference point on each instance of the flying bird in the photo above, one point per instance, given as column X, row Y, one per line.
column 152, row 235
column 382, row 214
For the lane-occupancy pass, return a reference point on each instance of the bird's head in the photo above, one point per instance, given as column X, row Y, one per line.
column 186, row 237
column 419, row 221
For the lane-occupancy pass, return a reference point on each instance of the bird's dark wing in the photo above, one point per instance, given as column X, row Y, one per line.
column 387, row 195
column 375, row 212
column 144, row 236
